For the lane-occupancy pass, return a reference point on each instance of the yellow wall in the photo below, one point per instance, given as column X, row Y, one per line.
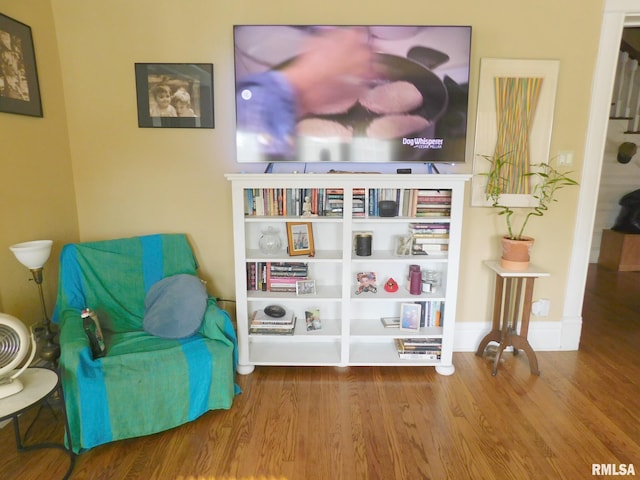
column 37, row 198
column 131, row 180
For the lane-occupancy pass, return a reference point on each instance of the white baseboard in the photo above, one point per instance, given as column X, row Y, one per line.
column 543, row 335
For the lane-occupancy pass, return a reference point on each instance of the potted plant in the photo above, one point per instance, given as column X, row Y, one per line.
column 547, row 181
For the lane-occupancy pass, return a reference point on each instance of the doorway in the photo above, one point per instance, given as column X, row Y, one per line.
column 617, row 14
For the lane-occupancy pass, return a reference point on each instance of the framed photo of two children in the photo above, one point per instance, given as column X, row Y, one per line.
column 174, row 95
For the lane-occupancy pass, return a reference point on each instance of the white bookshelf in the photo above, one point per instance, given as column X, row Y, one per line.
column 351, row 333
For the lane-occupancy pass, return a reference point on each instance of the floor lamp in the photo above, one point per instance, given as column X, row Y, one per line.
column 34, row 255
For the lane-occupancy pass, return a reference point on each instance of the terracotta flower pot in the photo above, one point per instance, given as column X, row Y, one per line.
column 516, row 253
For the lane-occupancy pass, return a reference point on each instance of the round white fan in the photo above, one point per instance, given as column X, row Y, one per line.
column 14, row 347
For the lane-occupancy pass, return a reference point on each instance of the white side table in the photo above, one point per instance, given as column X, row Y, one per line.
column 512, row 305
column 39, row 383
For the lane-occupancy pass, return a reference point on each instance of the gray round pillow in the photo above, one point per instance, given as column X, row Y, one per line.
column 175, row 306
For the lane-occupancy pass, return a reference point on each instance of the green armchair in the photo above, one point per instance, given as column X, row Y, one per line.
column 145, row 383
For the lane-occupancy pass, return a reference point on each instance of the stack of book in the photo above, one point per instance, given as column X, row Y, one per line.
column 282, row 276
column 275, row 276
column 433, row 203
column 263, row 324
column 359, row 202
column 390, row 322
column 429, row 237
column 419, row 348
column 334, row 202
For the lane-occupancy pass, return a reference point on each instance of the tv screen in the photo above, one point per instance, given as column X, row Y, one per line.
column 317, row 93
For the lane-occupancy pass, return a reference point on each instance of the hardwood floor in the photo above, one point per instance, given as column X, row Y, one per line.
column 402, row 423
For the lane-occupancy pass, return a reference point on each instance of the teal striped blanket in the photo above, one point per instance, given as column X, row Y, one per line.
column 145, row 384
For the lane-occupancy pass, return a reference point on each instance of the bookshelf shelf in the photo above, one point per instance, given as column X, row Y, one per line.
column 343, row 205
column 320, row 256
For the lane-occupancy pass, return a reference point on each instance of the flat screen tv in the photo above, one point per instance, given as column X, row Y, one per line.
column 318, row 93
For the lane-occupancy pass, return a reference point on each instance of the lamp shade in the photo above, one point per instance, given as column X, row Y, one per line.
column 33, row 254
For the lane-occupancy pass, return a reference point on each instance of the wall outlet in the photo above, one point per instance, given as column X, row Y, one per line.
column 540, row 308
column 565, row 159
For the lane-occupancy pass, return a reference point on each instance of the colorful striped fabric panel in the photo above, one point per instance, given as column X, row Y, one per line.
column 516, row 100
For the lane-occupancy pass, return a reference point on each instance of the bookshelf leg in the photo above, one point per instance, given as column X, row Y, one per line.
column 445, row 370
column 245, row 369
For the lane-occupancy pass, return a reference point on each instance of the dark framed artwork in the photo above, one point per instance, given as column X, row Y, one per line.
column 19, row 90
column 175, row 95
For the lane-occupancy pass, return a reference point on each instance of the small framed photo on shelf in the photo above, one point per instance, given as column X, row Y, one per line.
column 366, row 282
column 410, row 316
column 306, row 287
column 312, row 319
column 300, row 238
column 403, row 245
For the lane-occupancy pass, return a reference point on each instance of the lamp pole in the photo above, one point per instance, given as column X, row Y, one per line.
column 34, row 255
column 49, row 350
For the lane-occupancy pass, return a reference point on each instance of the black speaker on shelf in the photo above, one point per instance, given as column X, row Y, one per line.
column 387, row 208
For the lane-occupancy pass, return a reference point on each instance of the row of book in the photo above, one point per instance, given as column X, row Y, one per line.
column 293, row 201
column 425, row 203
column 419, row 348
column 263, row 324
column 429, row 237
column 275, row 276
column 330, row 201
column 431, row 315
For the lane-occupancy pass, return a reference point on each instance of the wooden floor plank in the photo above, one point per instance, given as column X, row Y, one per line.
column 311, row 423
